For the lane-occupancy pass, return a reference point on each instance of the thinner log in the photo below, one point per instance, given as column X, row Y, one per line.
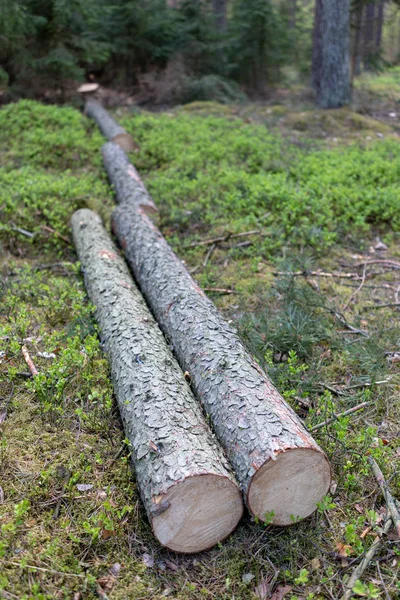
column 126, row 180
column 108, row 127
column 189, row 494
column 282, row 471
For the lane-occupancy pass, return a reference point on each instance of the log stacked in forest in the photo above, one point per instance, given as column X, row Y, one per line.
column 127, row 183
column 108, row 127
column 188, row 491
column 282, row 470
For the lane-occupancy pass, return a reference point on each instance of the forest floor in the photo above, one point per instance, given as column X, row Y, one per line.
column 312, row 283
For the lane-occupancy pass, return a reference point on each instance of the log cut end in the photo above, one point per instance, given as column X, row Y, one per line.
column 197, row 513
column 124, row 141
column 290, row 486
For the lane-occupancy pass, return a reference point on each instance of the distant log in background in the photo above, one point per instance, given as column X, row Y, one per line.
column 280, row 467
column 126, row 180
column 189, row 494
column 108, row 127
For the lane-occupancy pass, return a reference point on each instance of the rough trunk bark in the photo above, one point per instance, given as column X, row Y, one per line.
column 280, row 467
column 317, row 47
column 379, row 26
column 108, row 127
column 190, row 496
column 355, row 59
column 331, row 69
column 369, row 38
column 125, row 179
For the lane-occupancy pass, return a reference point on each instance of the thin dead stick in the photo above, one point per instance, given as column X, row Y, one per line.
column 342, row 414
column 388, row 263
column 29, row 362
column 378, row 306
column 224, row 238
column 359, row 570
column 220, row 290
column 208, row 255
column 317, row 274
column 366, row 384
column 54, row 232
column 390, row 501
column 16, row 564
column 346, row 324
column 354, row 294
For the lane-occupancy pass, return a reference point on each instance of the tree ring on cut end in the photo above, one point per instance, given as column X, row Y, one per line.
column 290, row 486
column 202, row 511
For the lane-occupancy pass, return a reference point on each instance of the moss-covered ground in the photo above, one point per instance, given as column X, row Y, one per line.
column 307, row 291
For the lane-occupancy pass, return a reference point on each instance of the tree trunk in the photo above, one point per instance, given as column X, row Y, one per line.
column 331, row 69
column 280, row 467
column 189, row 494
column 125, row 179
column 108, row 127
column 355, row 59
column 317, row 47
column 379, row 26
column 219, row 7
column 369, row 38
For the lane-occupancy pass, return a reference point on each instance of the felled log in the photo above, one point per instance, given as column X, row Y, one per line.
column 108, row 127
column 125, row 179
column 282, row 470
column 189, row 494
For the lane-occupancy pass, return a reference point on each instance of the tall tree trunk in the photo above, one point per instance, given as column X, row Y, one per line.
column 317, row 47
column 190, row 496
column 219, row 7
column 279, row 465
column 379, row 26
column 331, row 68
column 369, row 38
column 355, row 58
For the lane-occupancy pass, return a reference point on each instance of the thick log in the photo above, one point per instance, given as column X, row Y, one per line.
column 126, row 180
column 108, row 127
column 189, row 494
column 282, row 470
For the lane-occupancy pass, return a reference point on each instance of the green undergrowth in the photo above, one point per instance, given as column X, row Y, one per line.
column 69, row 507
column 209, row 171
column 385, row 84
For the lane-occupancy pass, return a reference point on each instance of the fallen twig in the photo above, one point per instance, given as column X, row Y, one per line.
column 354, row 294
column 23, row 231
column 208, row 255
column 359, row 570
column 54, row 232
column 224, row 238
column 378, row 306
column 29, row 362
column 317, row 274
column 220, row 290
column 390, row 501
column 335, row 416
column 24, row 566
column 346, row 324
column 383, row 262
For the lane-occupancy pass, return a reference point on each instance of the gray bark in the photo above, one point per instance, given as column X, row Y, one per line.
column 331, row 69
column 125, row 178
column 369, row 38
column 171, row 443
column 108, row 127
column 250, row 418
